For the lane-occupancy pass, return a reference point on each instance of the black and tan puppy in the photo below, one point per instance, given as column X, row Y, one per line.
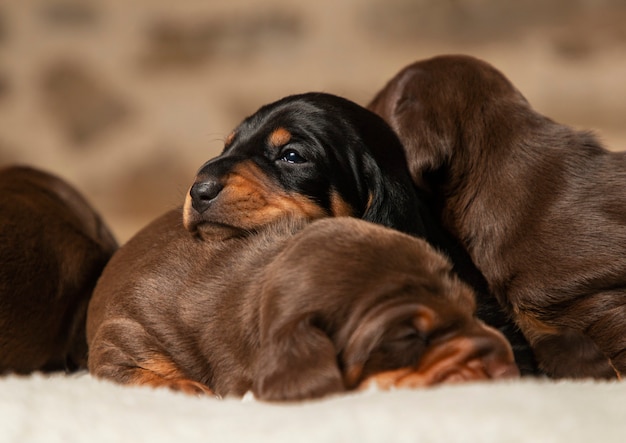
column 540, row 207
column 287, row 312
column 307, row 156
column 53, row 247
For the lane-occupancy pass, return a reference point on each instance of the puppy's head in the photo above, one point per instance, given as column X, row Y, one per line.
column 423, row 331
column 306, row 156
column 413, row 316
column 445, row 106
column 388, row 302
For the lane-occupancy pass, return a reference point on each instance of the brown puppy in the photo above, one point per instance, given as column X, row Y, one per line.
column 53, row 247
column 286, row 312
column 539, row 207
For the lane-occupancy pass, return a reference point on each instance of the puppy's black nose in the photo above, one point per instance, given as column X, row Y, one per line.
column 203, row 193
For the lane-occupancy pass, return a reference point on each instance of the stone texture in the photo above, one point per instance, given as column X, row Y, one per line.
column 127, row 99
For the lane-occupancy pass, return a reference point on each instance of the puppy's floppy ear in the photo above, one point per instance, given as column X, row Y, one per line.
column 297, row 362
column 393, row 201
column 426, row 134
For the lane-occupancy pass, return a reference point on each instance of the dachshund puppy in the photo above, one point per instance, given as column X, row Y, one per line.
column 539, row 207
column 317, row 155
column 53, row 247
column 309, row 156
column 296, row 310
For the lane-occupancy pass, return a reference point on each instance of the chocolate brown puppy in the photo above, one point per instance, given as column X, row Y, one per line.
column 539, row 207
column 294, row 311
column 53, row 247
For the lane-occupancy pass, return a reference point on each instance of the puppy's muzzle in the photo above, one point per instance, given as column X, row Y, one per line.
column 477, row 353
column 203, row 193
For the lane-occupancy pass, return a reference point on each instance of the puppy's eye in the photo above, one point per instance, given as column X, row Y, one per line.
column 291, row 156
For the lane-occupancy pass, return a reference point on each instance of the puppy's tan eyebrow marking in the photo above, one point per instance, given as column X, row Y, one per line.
column 230, row 138
column 279, row 137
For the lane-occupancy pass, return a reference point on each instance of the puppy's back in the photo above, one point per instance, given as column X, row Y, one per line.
column 53, row 247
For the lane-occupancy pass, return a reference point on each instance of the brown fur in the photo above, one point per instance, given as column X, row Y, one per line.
column 53, row 247
column 539, row 207
column 297, row 310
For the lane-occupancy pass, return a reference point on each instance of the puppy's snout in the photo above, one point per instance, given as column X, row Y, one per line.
column 478, row 352
column 494, row 354
column 203, row 193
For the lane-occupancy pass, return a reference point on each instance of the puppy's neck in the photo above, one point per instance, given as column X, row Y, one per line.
column 492, row 180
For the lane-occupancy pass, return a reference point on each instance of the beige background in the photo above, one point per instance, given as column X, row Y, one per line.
column 127, row 98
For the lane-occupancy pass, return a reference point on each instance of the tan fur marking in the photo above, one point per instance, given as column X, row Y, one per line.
column 425, row 320
column 188, row 211
column 230, row 138
column 448, row 364
column 252, row 200
column 403, row 377
column 370, row 200
column 533, row 328
column 279, row 137
column 161, row 372
column 339, row 207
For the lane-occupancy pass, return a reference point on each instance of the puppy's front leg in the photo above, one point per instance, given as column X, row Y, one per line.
column 564, row 352
column 123, row 352
column 570, row 354
column 608, row 331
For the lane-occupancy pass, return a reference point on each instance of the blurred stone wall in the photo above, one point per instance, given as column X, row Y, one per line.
column 126, row 99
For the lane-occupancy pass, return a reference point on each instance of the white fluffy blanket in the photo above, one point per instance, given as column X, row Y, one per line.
column 81, row 409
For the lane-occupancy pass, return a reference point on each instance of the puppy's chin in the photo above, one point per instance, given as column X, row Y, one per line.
column 217, row 231
column 199, row 226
